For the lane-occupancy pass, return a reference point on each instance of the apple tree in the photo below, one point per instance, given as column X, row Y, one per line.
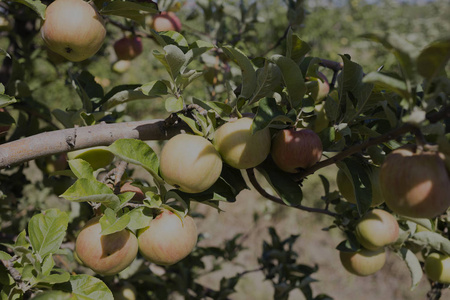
column 235, row 110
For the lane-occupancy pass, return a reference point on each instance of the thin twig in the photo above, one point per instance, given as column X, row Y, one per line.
column 265, row 194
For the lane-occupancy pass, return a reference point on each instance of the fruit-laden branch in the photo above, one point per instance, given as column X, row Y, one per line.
column 432, row 118
column 265, row 194
column 59, row 141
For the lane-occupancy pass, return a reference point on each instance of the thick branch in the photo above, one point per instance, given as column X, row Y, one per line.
column 59, row 141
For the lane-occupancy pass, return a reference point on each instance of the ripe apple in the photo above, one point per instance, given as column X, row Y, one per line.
column 296, row 148
column 239, row 147
column 126, row 291
column 105, row 254
column 363, row 262
column 347, row 191
column 167, row 239
column 319, row 87
column 166, row 21
column 415, row 184
column 190, row 163
column 73, row 29
column 98, row 157
column 139, row 196
column 127, row 48
column 437, row 267
column 376, row 229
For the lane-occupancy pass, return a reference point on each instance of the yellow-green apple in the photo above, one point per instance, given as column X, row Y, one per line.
column 437, row 267
column 166, row 21
column 363, row 262
column 296, row 148
column 128, row 47
column 415, row 184
column 347, row 191
column 98, row 157
column 318, row 87
column 121, row 66
column 167, row 239
column 376, row 229
column 321, row 122
column 105, row 254
column 190, row 163
column 73, row 29
column 239, row 147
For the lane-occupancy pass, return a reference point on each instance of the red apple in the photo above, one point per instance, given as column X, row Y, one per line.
column 127, row 48
column 296, row 148
column 105, row 254
column 73, row 29
column 415, row 184
column 166, row 21
column 139, row 196
column 167, row 239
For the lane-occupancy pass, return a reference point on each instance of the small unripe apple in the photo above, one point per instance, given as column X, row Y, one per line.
column 167, row 239
column 239, row 147
column 121, row 66
column 321, row 122
column 296, row 148
column 364, row 262
column 190, row 163
column 437, row 267
column 166, row 21
column 98, row 157
column 376, row 229
column 105, row 254
column 128, row 48
column 347, row 191
column 415, row 184
column 73, row 29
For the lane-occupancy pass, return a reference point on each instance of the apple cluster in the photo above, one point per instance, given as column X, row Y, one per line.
column 166, row 240
column 235, row 143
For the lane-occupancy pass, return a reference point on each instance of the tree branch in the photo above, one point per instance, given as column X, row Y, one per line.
column 59, row 141
column 262, row 191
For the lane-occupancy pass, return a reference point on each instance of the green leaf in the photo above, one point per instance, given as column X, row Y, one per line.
column 155, row 88
column 191, row 123
column 268, row 112
column 433, row 239
column 432, row 60
column 91, row 190
column 296, row 48
column 89, row 287
column 388, row 83
column 6, row 100
column 165, row 38
column 140, row 217
column 269, row 79
column 81, row 168
column 125, row 96
column 173, row 59
column 54, row 278
column 54, row 295
column 293, row 79
column 288, row 190
column 248, row 71
column 35, row 5
column 413, row 265
column 4, row 256
column 137, row 152
column 404, row 51
column 362, row 185
column 174, row 104
column 110, row 224
column 47, row 230
column 132, row 10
